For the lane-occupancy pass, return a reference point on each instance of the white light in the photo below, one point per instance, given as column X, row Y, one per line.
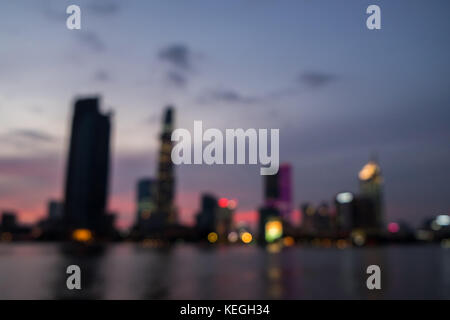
column 344, row 197
column 443, row 220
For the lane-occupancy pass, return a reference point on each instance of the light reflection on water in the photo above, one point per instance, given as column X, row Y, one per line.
column 129, row 271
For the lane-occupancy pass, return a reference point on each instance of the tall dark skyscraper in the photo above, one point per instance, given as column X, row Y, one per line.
column 87, row 173
column 166, row 180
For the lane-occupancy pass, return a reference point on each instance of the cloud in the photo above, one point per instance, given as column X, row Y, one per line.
column 314, row 79
column 31, row 134
column 91, row 40
column 228, row 96
column 178, row 56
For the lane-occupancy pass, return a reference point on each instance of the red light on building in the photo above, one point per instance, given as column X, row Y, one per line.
column 223, row 202
column 393, row 227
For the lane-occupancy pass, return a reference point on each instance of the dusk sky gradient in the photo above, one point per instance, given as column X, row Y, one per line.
column 337, row 91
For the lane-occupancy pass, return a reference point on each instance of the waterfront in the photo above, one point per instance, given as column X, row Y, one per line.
column 130, row 271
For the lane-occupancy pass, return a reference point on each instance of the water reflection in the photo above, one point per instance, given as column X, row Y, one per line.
column 130, row 271
column 90, row 262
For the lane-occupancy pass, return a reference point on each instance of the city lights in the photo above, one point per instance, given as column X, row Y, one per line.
column 82, row 235
column 223, row 202
column 232, row 204
column 393, row 227
column 233, row 237
column 274, row 230
column 212, row 237
column 246, row 237
column 443, row 220
column 368, row 171
column 344, row 197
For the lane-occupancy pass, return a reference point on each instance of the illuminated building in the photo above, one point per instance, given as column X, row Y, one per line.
column 86, row 188
column 371, row 189
column 278, row 191
column 165, row 193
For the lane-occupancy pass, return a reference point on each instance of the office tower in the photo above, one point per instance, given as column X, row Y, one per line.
column 145, row 202
column 166, row 181
column 206, row 218
column 371, row 187
column 87, row 173
column 278, row 191
column 55, row 210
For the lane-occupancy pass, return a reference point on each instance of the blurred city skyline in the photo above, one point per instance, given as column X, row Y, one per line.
column 337, row 91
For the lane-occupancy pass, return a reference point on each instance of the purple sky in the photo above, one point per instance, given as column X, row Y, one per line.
column 337, row 91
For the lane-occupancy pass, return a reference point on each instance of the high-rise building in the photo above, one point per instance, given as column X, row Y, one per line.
column 145, row 202
column 86, row 188
column 278, row 191
column 166, row 181
column 371, row 187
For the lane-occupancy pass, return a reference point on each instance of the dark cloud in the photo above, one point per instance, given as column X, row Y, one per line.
column 177, row 55
column 103, row 7
column 316, row 79
column 91, row 40
column 31, row 134
column 228, row 96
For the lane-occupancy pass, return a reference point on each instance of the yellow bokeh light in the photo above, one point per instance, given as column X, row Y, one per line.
column 212, row 237
column 82, row 235
column 274, row 230
column 368, row 171
column 288, row 241
column 246, row 237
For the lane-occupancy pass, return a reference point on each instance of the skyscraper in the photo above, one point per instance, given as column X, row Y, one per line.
column 371, row 187
column 278, row 191
column 166, row 181
column 86, row 188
